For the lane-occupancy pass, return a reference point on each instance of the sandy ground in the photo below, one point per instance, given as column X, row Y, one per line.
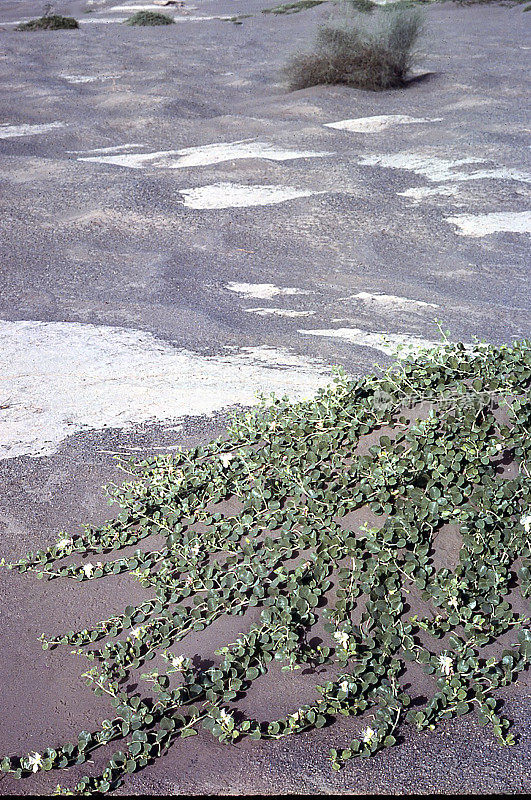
column 111, row 141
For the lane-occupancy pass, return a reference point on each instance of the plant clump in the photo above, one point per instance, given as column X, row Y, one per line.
column 149, row 18
column 365, row 6
column 293, row 8
column 49, row 22
column 366, row 51
column 285, row 548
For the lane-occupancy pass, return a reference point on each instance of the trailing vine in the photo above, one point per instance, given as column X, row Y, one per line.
column 454, row 417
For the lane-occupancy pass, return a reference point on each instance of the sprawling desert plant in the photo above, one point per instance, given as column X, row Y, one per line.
column 384, row 603
column 367, row 51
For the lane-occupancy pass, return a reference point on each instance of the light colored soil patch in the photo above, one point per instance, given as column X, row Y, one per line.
column 443, row 169
column 392, row 301
column 136, row 8
column 88, row 78
column 60, row 378
column 197, row 19
column 12, row 131
column 419, row 193
column 205, row 155
column 262, row 291
column 476, row 225
column 237, row 195
column 388, row 343
column 101, row 21
column 161, row 8
column 378, row 123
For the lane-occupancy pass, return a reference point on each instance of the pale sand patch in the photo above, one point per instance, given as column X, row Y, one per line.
column 392, row 300
column 236, row 195
column 205, row 155
column 88, row 78
column 161, row 8
column 262, row 291
column 79, row 78
column 60, row 378
column 496, row 222
column 136, row 8
column 101, row 20
column 442, row 169
column 419, row 193
column 378, row 123
column 388, row 343
column 279, row 312
column 10, row 131
column 197, row 19
column 115, row 149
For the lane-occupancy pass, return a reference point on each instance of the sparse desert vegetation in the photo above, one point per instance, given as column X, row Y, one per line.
column 149, row 18
column 365, row 6
column 385, row 598
column 292, row 8
column 49, row 22
column 364, row 51
column 348, row 558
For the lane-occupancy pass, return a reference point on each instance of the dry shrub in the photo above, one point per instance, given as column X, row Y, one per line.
column 149, row 18
column 364, row 51
column 49, row 22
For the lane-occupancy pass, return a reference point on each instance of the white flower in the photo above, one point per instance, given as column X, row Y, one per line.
column 63, row 543
column 526, row 522
column 453, row 601
column 88, row 569
column 35, row 762
column 368, row 735
column 226, row 458
column 225, row 717
column 178, row 662
column 136, row 633
column 344, row 686
column 195, row 548
column 446, row 664
column 294, row 717
column 342, row 637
